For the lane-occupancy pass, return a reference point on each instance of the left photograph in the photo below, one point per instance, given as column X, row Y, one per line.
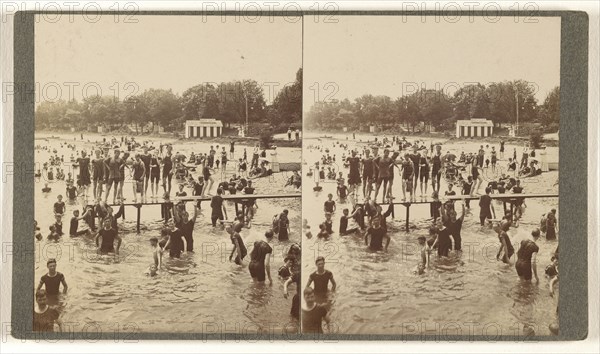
column 167, row 184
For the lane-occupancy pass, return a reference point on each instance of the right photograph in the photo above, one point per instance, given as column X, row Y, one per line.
column 430, row 164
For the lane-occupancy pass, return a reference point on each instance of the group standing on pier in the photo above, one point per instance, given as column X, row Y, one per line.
column 145, row 165
column 370, row 172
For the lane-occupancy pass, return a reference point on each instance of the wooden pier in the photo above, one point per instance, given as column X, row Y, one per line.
column 511, row 198
column 167, row 204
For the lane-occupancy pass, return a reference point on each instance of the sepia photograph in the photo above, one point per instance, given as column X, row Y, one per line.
column 430, row 158
column 167, row 174
column 226, row 177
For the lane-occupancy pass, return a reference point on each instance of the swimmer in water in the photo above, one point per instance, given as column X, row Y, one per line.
column 108, row 235
column 526, row 258
column 52, row 280
column 156, row 252
column 375, row 235
column 44, row 316
column 314, row 314
column 425, row 251
column 308, row 233
column 260, row 259
column 321, row 277
column 152, row 271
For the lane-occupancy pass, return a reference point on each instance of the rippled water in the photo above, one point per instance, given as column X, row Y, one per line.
column 378, row 292
column 201, row 292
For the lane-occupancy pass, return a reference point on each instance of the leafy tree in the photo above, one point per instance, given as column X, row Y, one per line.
column 550, row 111
column 200, row 101
column 434, row 106
column 234, row 96
column 503, row 98
column 471, row 101
column 288, row 102
column 162, row 107
column 50, row 114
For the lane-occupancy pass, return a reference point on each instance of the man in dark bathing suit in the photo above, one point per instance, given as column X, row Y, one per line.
column 108, row 235
column 260, row 259
column 408, row 172
column 218, row 211
column 455, row 226
column 444, row 240
column 185, row 224
column 321, row 277
column 167, row 174
column 375, row 235
column 354, row 174
column 383, row 166
column 139, row 176
column 367, row 174
column 176, row 243
column 84, row 173
column 52, row 280
column 415, row 158
column 98, row 175
column 526, row 258
column 486, row 207
column 113, row 165
column 44, row 316
column 314, row 314
column 146, row 159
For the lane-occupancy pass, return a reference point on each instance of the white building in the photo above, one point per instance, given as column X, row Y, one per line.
column 203, row 128
column 474, row 127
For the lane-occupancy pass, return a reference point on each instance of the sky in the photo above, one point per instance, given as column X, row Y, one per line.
column 166, row 52
column 389, row 55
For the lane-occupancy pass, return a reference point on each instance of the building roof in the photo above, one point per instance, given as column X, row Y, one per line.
column 205, row 122
column 476, row 122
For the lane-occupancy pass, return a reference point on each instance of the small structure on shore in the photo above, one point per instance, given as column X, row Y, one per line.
column 203, row 128
column 474, row 127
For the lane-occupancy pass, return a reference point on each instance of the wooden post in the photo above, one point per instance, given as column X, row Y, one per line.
column 407, row 215
column 139, row 214
column 512, row 213
column 393, row 211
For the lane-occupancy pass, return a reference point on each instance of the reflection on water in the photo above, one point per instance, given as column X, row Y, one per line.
column 200, row 292
column 380, row 293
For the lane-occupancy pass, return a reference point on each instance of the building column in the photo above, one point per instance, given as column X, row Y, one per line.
column 457, row 130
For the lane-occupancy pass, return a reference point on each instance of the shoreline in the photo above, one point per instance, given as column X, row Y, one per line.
column 439, row 137
column 250, row 140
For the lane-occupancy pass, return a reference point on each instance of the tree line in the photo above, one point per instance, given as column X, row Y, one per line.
column 227, row 101
column 496, row 101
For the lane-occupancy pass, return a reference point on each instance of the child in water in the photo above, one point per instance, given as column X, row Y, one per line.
column 38, row 234
column 152, row 271
column 156, row 253
column 328, row 223
column 424, row 264
column 323, row 231
column 308, row 233
column 53, row 235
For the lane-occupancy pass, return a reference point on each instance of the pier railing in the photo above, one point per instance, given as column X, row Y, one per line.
column 238, row 199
